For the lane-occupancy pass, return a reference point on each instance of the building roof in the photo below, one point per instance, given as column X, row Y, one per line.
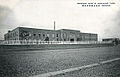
column 51, row 30
column 88, row 33
column 34, row 28
column 70, row 30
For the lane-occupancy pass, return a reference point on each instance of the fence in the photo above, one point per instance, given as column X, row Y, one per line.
column 37, row 42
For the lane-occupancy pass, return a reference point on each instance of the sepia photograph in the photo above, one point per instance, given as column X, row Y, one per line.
column 59, row 38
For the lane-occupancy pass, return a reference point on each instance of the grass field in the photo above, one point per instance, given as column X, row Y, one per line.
column 28, row 63
column 107, row 70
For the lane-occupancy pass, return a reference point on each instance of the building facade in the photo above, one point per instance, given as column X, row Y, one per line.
column 23, row 33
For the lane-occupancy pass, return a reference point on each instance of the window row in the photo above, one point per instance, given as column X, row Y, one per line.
column 45, row 35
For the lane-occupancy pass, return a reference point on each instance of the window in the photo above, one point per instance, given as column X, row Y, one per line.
column 64, row 35
column 57, row 35
column 43, row 35
column 13, row 34
column 64, row 39
column 34, row 35
column 53, row 35
column 57, row 39
column 39, row 35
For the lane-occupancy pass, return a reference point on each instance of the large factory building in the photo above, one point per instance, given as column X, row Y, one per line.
column 23, row 33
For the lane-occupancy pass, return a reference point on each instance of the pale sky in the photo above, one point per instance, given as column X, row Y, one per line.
column 105, row 21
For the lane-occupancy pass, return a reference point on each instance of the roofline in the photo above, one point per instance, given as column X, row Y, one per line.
column 48, row 29
column 111, row 38
column 52, row 30
column 35, row 28
column 89, row 33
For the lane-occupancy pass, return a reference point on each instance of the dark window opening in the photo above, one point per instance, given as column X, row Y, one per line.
column 39, row 35
column 57, row 39
column 79, row 39
column 34, row 34
column 57, row 35
column 43, row 35
column 71, row 39
column 64, row 39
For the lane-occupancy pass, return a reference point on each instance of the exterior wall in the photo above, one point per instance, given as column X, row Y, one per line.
column 69, row 35
column 22, row 33
column 57, row 36
column 12, row 35
column 36, row 34
column 89, row 37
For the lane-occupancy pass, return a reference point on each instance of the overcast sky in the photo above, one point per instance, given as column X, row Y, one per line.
column 105, row 21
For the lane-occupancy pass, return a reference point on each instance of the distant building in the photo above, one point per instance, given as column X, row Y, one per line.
column 23, row 33
column 114, row 40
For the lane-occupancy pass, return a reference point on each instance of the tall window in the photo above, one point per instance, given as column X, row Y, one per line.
column 39, row 35
column 43, row 35
column 64, row 39
column 64, row 35
column 34, row 35
column 53, row 35
column 57, row 35
column 57, row 39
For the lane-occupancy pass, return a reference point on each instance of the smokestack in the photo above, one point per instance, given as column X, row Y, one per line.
column 54, row 25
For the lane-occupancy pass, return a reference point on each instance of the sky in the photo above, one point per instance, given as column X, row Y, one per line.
column 105, row 21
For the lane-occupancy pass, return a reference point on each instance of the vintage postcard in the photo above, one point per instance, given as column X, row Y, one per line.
column 59, row 38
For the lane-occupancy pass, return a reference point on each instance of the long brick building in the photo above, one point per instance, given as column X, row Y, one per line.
column 24, row 33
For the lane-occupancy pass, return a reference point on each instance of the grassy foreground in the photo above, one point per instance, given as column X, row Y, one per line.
column 24, row 63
